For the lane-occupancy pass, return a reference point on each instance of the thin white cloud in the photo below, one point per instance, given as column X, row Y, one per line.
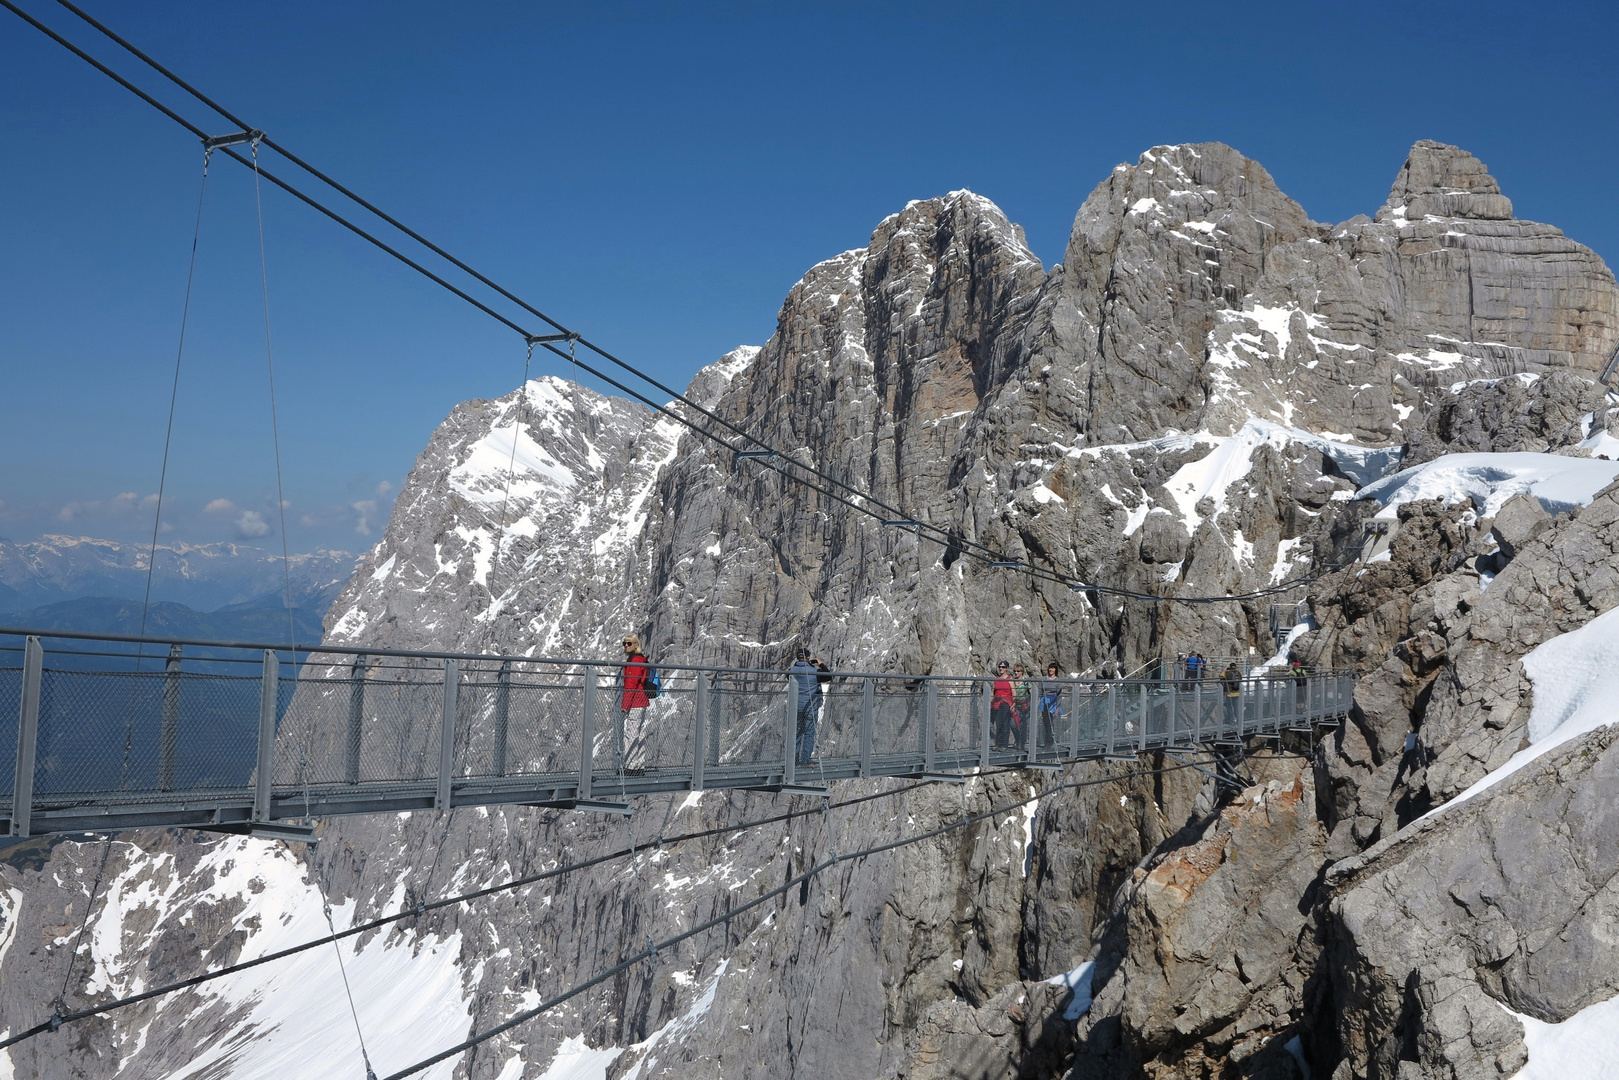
column 219, row 506
column 251, row 525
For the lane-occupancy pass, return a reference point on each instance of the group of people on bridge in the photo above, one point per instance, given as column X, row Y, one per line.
column 1019, row 700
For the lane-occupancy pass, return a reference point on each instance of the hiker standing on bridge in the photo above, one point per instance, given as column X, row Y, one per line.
column 1231, row 683
column 1301, row 685
column 1050, row 704
column 810, row 672
column 633, row 682
column 1000, row 706
column 1195, row 665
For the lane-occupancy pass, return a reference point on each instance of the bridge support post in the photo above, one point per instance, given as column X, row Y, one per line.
column 264, row 770
column 1146, row 719
column 1197, row 712
column 1073, row 720
column 446, row 735
column 22, row 780
column 985, row 718
column 169, row 739
column 868, row 709
column 789, row 760
column 699, row 732
column 930, row 714
column 351, row 752
column 1112, row 718
column 587, row 732
column 503, row 706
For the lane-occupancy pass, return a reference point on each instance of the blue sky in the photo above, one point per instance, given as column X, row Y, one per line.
column 655, row 175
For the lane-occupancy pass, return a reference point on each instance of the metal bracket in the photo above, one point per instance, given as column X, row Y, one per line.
column 755, row 455
column 903, row 523
column 793, row 789
column 1005, row 564
column 601, row 806
column 266, row 830
column 941, row 777
column 214, row 142
column 544, row 339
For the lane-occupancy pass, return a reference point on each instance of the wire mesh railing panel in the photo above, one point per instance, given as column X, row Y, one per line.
column 310, row 736
column 749, row 718
column 141, row 734
column 400, row 734
column 896, row 717
column 10, row 706
column 837, row 728
column 661, row 736
column 957, row 720
column 544, row 720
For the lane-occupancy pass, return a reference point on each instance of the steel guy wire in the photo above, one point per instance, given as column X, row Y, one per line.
column 726, row 917
column 275, row 427
column 419, row 909
column 966, row 546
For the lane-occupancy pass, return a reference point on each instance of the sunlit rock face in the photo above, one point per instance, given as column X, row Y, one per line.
column 1185, row 406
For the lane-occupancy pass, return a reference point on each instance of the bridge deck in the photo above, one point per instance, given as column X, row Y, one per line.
column 245, row 738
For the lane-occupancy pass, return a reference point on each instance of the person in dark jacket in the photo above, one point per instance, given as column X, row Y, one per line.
column 1050, row 705
column 1231, row 683
column 811, row 676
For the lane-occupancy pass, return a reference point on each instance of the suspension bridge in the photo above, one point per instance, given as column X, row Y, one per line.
column 252, row 738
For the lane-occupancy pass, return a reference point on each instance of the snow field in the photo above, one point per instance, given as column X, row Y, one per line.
column 1560, row 483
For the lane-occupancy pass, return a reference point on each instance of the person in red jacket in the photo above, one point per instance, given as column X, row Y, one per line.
column 1000, row 706
column 633, row 689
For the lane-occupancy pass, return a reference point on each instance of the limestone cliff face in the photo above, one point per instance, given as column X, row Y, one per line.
column 1185, row 406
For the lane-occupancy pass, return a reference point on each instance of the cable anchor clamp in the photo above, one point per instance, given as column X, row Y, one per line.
column 541, row 339
column 214, row 142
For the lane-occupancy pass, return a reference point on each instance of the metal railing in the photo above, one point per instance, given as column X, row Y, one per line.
column 251, row 736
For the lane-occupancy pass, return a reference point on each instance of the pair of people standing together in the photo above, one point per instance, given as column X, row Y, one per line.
column 1011, row 695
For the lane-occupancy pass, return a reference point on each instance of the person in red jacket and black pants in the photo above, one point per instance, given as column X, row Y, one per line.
column 633, row 695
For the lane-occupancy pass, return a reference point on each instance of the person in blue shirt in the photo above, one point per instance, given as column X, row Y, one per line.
column 808, row 670
column 1194, row 666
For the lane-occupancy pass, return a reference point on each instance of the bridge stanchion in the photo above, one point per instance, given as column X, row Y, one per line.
column 503, row 708
column 264, row 770
column 22, row 781
column 446, row 735
column 1142, row 718
column 868, row 711
column 587, row 732
column 699, row 732
column 1073, row 720
column 351, row 752
column 930, row 719
column 984, row 720
column 1197, row 712
column 789, row 760
column 169, row 739
column 1112, row 718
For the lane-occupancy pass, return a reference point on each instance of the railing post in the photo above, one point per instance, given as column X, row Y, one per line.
column 984, row 720
column 930, row 713
column 264, row 771
column 1112, row 718
column 351, row 754
column 789, row 760
column 587, row 732
column 868, row 710
column 1197, row 712
column 1031, row 727
column 1174, row 713
column 503, row 707
column 1073, row 719
column 1141, row 723
column 699, row 732
column 169, row 740
column 446, row 735
column 22, row 780
column 716, row 711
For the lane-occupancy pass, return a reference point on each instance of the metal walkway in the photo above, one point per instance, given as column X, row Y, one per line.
column 243, row 738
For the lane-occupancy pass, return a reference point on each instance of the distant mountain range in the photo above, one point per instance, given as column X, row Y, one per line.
column 49, row 572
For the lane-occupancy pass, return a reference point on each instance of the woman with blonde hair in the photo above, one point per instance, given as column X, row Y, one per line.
column 633, row 691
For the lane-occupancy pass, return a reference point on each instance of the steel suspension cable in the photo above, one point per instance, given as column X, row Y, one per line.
column 653, row 949
column 421, row 908
column 968, row 547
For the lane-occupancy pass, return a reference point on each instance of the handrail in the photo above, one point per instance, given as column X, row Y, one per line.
column 428, row 654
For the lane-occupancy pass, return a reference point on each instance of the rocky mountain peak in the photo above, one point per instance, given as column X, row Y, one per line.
column 1444, row 181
